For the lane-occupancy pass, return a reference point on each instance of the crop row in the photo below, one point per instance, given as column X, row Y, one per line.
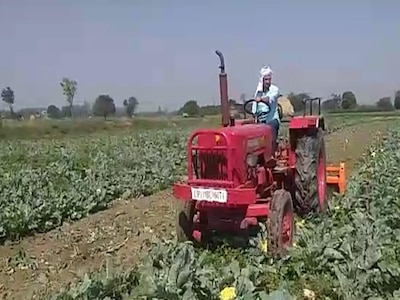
column 351, row 252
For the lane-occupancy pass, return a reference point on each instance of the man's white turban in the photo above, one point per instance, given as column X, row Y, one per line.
column 265, row 70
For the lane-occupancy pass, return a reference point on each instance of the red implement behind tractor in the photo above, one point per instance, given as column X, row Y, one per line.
column 235, row 181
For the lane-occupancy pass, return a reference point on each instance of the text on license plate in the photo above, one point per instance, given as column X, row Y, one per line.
column 212, row 195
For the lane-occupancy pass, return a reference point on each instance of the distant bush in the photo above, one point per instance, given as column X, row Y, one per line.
column 358, row 109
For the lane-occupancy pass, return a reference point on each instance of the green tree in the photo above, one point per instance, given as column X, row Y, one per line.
column 349, row 100
column 397, row 100
column 160, row 111
column 210, row 110
column 191, row 108
column 232, row 102
column 66, row 112
column 130, row 106
column 53, row 112
column 7, row 95
column 103, row 106
column 333, row 103
column 385, row 103
column 297, row 100
column 69, row 88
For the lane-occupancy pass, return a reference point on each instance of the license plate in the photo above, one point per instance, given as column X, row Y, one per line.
column 211, row 195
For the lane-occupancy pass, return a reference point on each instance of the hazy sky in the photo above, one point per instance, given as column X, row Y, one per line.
column 162, row 51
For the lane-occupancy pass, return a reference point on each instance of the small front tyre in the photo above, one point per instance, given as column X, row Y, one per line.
column 184, row 220
column 280, row 224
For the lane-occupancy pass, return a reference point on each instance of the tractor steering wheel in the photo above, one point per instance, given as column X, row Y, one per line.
column 248, row 108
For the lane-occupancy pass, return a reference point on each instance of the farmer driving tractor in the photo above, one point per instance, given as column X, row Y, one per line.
column 269, row 93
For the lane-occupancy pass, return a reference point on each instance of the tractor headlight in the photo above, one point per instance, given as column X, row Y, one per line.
column 251, row 160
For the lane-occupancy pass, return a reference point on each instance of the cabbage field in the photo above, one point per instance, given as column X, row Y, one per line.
column 48, row 184
column 352, row 252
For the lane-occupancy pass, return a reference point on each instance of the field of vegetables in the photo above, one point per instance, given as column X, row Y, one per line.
column 47, row 182
column 352, row 252
column 44, row 183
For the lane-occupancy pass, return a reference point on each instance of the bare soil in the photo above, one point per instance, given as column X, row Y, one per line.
column 122, row 234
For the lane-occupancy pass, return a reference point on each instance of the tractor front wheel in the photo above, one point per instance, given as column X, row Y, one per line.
column 310, row 174
column 184, row 220
column 280, row 224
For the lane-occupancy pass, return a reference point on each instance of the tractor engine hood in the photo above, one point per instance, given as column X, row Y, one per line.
column 220, row 154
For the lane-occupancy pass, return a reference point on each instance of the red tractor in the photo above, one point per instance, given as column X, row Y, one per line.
column 235, row 181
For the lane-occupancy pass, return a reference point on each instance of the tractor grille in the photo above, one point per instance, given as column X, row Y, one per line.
column 210, row 164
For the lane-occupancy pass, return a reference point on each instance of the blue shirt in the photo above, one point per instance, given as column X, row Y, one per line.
column 272, row 94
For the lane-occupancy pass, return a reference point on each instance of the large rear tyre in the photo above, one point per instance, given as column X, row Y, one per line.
column 310, row 174
column 184, row 220
column 280, row 224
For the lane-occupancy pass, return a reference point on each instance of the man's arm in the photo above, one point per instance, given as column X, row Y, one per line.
column 257, row 95
column 273, row 95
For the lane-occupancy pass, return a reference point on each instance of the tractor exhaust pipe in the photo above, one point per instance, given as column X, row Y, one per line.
column 223, row 90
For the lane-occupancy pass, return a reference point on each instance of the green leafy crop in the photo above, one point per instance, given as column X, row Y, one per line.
column 352, row 252
column 44, row 183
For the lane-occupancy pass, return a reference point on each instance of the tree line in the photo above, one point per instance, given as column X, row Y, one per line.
column 337, row 102
column 104, row 105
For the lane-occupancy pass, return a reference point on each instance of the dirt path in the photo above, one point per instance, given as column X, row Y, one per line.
column 118, row 236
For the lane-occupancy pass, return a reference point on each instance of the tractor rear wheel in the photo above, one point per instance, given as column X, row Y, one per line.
column 310, row 174
column 280, row 224
column 184, row 220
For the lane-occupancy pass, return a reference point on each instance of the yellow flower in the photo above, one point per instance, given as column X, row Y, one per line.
column 228, row 293
column 301, row 224
column 294, row 245
column 264, row 246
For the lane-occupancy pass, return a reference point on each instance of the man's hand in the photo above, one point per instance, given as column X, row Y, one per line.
column 266, row 99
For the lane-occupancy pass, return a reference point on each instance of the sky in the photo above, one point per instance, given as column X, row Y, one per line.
column 162, row 52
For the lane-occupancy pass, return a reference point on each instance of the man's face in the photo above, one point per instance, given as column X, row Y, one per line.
column 267, row 80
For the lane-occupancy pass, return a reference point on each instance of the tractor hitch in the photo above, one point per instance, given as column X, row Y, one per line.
column 336, row 177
